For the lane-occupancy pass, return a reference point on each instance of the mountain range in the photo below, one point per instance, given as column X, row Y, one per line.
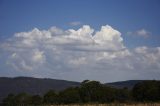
column 40, row 86
column 124, row 84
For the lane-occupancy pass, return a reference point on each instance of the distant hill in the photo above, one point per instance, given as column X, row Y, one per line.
column 121, row 84
column 42, row 85
column 32, row 85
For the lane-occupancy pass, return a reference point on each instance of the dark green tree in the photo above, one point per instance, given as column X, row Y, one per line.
column 50, row 97
column 90, row 91
column 108, row 94
column 69, row 95
column 147, row 91
column 123, row 95
column 9, row 100
column 36, row 100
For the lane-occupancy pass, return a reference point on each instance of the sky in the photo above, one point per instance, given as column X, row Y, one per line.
column 104, row 40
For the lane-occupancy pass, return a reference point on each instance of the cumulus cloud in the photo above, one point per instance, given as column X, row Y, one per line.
column 78, row 55
column 142, row 33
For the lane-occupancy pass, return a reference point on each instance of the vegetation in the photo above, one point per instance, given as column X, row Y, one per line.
column 90, row 92
column 147, row 91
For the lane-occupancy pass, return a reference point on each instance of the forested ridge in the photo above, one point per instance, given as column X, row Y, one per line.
column 90, row 92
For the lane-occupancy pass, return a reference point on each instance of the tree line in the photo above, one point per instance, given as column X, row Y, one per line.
column 90, row 92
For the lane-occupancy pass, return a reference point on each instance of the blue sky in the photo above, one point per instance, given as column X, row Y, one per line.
column 22, row 24
column 126, row 15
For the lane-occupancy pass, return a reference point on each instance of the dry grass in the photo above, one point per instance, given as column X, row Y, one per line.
column 115, row 104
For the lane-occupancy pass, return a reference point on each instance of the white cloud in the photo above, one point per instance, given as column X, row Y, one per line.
column 54, row 31
column 38, row 56
column 78, row 61
column 109, row 38
column 75, row 23
column 78, row 55
column 142, row 33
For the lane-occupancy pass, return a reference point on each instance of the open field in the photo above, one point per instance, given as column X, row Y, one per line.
column 138, row 104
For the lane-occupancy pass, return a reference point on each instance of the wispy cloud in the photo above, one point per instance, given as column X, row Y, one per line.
column 75, row 23
column 142, row 33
